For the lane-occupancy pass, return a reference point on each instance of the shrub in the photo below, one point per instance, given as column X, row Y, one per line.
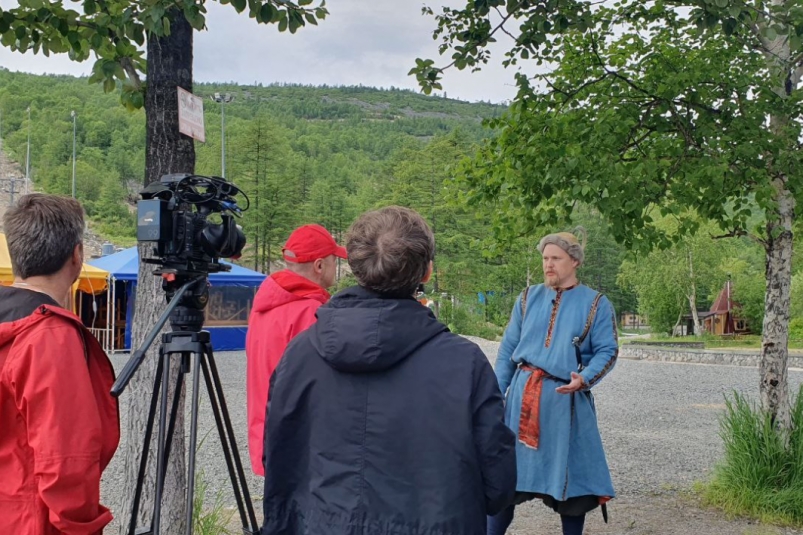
column 761, row 474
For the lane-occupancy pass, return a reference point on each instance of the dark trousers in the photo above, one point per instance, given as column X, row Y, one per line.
column 497, row 525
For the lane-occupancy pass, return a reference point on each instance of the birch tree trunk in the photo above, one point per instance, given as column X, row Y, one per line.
column 773, row 373
column 772, row 368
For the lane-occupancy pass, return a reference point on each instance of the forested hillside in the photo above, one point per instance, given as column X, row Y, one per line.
column 302, row 154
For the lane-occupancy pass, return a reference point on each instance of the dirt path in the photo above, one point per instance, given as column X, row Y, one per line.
column 664, row 514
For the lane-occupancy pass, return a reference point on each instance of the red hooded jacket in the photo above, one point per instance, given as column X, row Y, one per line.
column 60, row 426
column 284, row 306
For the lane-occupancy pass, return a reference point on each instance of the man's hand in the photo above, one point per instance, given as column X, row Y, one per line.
column 575, row 385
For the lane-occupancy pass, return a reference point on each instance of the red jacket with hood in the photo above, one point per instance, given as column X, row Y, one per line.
column 60, row 426
column 284, row 306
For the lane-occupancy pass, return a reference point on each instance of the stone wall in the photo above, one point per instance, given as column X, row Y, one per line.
column 698, row 356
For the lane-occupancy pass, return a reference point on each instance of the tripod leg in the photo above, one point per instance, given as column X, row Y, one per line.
column 172, row 422
column 193, row 440
column 143, row 460
column 228, row 442
column 161, row 461
column 166, row 443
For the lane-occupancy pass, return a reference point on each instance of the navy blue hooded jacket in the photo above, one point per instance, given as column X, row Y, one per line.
column 380, row 421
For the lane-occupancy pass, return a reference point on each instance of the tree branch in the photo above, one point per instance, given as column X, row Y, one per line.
column 498, row 27
column 735, row 233
column 132, row 72
column 503, row 28
column 633, row 85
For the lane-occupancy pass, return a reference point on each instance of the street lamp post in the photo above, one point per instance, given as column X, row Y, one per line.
column 222, row 99
column 28, row 155
column 73, row 115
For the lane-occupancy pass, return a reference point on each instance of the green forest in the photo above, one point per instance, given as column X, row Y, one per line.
column 325, row 154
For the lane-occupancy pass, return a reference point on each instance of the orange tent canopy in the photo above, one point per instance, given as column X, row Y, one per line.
column 92, row 280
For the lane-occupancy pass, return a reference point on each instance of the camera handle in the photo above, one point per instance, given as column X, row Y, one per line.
column 136, row 359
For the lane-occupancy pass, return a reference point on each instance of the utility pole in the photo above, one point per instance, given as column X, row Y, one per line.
column 73, row 115
column 222, row 99
column 28, row 156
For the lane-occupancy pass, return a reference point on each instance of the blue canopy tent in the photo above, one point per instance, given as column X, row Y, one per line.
column 231, row 295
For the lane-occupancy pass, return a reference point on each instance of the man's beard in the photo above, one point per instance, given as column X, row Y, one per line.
column 553, row 281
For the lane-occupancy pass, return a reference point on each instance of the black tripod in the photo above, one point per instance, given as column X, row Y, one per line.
column 192, row 345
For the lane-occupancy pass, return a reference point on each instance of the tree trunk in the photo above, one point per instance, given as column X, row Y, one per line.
column 772, row 368
column 677, row 324
column 167, row 151
column 692, row 297
column 698, row 329
column 256, row 192
column 774, row 346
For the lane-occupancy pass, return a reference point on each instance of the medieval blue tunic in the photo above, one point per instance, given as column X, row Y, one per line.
column 569, row 460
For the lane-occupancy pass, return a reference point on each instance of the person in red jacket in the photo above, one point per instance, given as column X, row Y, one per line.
column 60, row 426
column 284, row 306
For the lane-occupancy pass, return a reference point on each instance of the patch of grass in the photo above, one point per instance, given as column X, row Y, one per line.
column 761, row 475
column 209, row 520
column 469, row 321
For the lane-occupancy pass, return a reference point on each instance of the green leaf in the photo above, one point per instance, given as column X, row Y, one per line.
column 195, row 17
column 729, row 26
column 283, row 24
column 795, row 42
column 239, row 5
column 266, row 13
column 304, row 2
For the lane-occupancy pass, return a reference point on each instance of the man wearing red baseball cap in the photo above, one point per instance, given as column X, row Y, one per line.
column 284, row 306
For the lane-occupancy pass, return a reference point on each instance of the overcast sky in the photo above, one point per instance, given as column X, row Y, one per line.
column 369, row 42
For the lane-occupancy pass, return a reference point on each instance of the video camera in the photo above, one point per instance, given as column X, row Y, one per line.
column 186, row 242
column 174, row 215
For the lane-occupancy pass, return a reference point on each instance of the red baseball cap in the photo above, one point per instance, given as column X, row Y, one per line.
column 310, row 242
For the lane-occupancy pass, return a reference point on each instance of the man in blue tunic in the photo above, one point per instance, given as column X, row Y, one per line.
column 560, row 342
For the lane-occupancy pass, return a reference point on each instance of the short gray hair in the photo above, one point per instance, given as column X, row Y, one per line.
column 42, row 232
column 568, row 242
column 390, row 250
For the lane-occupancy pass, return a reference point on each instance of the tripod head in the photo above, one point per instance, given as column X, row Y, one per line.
column 188, row 315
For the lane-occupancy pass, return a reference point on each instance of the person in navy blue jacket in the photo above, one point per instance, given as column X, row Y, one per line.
column 381, row 421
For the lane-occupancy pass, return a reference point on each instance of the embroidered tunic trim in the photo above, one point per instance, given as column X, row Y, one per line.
column 554, row 315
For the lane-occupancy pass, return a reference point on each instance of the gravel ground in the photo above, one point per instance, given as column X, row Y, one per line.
column 658, row 422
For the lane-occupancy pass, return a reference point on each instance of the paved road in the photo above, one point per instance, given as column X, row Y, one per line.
column 658, row 421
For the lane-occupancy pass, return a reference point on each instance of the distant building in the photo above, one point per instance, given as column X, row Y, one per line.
column 723, row 317
column 632, row 320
